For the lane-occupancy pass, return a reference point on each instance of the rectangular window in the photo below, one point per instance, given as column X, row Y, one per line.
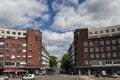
column 24, row 44
column 13, row 33
column 97, row 55
column 85, row 55
column 101, row 31
column 108, row 55
column 102, row 42
column 13, row 50
column 8, row 32
column 86, row 62
column 7, row 44
column 29, row 50
column 7, row 50
column 96, row 32
column 103, row 55
column 114, row 48
column 91, row 49
column 85, row 49
column 18, row 50
column 114, row 54
column 30, row 45
column 113, row 41
column 107, row 31
column 91, row 43
column 97, row 49
column 107, row 42
column 19, row 33
column 118, row 40
column 118, row 29
column 102, row 49
column 13, row 44
column 112, row 30
column 91, row 55
column 108, row 49
column 19, row 44
column 24, row 34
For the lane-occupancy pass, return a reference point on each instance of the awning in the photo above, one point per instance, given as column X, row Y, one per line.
column 10, row 70
column 13, row 70
column 20, row 71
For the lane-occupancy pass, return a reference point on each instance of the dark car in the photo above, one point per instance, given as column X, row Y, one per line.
column 50, row 71
column 97, row 75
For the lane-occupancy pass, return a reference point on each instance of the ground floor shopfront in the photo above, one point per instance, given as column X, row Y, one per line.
column 91, row 70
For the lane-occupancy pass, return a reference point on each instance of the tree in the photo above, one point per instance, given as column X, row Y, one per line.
column 53, row 62
column 65, row 64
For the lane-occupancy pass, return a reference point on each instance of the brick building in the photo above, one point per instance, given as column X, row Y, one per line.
column 20, row 49
column 96, row 50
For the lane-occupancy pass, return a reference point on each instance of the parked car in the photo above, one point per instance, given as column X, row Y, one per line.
column 3, row 77
column 97, row 75
column 29, row 77
column 114, row 75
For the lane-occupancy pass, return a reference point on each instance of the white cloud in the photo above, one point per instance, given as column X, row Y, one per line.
column 57, row 43
column 91, row 13
column 22, row 12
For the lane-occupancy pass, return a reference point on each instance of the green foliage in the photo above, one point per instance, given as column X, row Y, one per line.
column 53, row 61
column 65, row 64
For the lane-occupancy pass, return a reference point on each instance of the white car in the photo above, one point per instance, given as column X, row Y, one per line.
column 2, row 77
column 114, row 75
column 29, row 77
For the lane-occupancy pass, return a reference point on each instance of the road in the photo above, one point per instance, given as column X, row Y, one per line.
column 58, row 77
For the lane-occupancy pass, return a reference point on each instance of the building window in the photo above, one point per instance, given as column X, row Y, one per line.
column 7, row 44
column 7, row 56
column 96, row 43
column 13, row 44
column 24, row 44
column 90, row 33
column 108, row 42
column 118, row 40
column 85, row 55
column 7, row 50
column 24, row 50
column 19, row 44
column 1, row 50
column 119, row 47
column 112, row 30
column 8, row 32
column 19, row 33
column 13, row 50
column 85, row 49
column 97, row 55
column 2, row 31
column 102, row 49
column 91, row 55
column 108, row 49
column 103, row 55
column 24, row 34
column 18, row 50
column 108, row 55
column 107, row 31
column 13, row 33
column 18, row 57
column 91, row 43
column 30, row 45
column 86, row 62
column 97, row 49
column 101, row 31
column 102, row 42
column 118, row 29
column 108, row 62
column 114, row 54
column 85, row 44
column 29, row 57
column 24, row 57
column 96, row 32
column 91, row 49
column 114, row 48
column 113, row 41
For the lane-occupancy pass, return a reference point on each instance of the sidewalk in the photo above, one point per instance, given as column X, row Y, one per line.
column 86, row 77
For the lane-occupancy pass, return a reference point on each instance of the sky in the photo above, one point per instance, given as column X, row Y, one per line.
column 57, row 19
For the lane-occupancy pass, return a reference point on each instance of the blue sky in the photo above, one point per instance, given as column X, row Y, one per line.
column 57, row 19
